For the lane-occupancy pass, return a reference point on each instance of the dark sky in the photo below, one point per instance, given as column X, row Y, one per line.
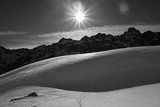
column 49, row 15
column 46, row 16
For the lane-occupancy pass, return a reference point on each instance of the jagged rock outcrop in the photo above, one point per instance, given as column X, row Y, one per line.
column 12, row 59
column 33, row 94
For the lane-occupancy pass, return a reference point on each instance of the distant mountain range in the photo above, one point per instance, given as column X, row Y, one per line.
column 12, row 59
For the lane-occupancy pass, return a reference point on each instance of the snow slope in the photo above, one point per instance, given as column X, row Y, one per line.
column 143, row 96
column 89, row 73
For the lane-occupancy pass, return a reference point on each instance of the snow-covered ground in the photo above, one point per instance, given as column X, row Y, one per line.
column 93, row 80
column 143, row 96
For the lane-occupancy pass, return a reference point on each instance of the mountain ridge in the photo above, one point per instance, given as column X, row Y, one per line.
column 12, row 59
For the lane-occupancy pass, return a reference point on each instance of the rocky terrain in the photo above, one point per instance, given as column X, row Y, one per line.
column 12, row 59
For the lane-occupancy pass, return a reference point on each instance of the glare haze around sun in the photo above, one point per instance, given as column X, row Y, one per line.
column 79, row 16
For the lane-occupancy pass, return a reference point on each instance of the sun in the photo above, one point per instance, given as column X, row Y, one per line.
column 79, row 16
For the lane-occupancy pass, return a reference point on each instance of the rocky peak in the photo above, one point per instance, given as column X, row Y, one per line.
column 131, row 33
column 65, row 40
column 85, row 38
column 40, row 48
column 102, row 37
column 99, row 37
column 133, row 30
column 148, row 33
column 2, row 49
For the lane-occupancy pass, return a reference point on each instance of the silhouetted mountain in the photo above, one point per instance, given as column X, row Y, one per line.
column 12, row 59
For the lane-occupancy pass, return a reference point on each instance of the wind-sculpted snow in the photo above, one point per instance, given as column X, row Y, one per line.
column 94, row 72
column 143, row 96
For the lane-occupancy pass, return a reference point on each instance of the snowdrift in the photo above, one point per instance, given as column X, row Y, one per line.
column 93, row 72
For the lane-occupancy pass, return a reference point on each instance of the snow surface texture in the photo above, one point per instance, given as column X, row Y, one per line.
column 93, row 74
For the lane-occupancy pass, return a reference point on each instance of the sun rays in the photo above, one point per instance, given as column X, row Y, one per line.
column 78, row 14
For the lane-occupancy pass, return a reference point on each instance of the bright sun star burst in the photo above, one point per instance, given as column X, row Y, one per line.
column 79, row 16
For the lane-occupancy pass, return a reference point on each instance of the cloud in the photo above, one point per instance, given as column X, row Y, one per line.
column 108, row 29
column 124, row 7
column 3, row 33
column 31, row 41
